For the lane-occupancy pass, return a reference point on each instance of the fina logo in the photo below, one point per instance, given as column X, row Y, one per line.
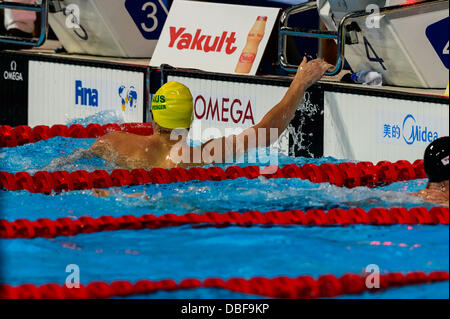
column 85, row 96
column 413, row 133
column 128, row 96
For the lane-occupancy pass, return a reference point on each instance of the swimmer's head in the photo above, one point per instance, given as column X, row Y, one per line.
column 436, row 160
column 172, row 106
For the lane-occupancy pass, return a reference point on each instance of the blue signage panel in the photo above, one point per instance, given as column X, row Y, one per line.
column 149, row 16
column 438, row 35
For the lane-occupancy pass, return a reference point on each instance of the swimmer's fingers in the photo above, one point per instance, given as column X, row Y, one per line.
column 100, row 192
column 136, row 195
column 325, row 66
column 304, row 61
column 329, row 67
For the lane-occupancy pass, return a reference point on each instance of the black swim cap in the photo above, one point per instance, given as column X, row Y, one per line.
column 436, row 160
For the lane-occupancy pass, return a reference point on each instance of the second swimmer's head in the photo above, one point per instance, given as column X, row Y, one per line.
column 436, row 160
column 172, row 106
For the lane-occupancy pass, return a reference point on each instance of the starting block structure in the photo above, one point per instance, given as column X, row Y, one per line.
column 406, row 41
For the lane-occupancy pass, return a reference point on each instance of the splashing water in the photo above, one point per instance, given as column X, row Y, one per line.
column 102, row 118
column 297, row 133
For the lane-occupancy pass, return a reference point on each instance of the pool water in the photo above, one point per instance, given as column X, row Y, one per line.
column 186, row 252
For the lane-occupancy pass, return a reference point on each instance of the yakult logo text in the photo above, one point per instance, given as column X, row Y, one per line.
column 183, row 40
column 224, row 110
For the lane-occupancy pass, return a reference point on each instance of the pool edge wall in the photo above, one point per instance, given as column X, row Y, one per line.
column 340, row 120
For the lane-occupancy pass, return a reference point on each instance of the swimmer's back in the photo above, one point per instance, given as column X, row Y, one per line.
column 133, row 151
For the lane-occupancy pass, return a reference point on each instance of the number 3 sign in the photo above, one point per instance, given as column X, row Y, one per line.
column 437, row 33
column 149, row 16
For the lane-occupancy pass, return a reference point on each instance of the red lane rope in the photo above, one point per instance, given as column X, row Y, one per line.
column 343, row 175
column 46, row 228
column 303, row 287
column 21, row 135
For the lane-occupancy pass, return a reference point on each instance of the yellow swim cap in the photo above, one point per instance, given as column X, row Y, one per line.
column 172, row 106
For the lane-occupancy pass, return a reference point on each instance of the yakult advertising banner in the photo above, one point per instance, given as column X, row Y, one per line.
column 381, row 128
column 59, row 93
column 215, row 37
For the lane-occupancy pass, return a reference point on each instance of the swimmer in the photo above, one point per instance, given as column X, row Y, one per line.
column 105, row 193
column 436, row 163
column 172, row 108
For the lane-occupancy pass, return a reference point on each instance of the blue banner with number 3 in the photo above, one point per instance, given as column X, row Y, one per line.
column 437, row 33
column 149, row 16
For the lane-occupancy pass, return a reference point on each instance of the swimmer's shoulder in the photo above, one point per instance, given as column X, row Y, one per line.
column 111, row 136
column 156, row 140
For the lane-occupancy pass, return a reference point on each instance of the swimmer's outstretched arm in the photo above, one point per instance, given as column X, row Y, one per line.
column 283, row 113
column 435, row 193
column 76, row 155
column 278, row 118
column 105, row 193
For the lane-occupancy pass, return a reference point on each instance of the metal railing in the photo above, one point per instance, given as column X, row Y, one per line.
column 40, row 8
column 342, row 36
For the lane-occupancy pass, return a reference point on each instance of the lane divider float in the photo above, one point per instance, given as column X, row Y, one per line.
column 46, row 228
column 21, row 135
column 302, row 287
column 348, row 175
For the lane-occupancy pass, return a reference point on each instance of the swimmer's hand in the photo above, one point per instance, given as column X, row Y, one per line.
column 76, row 155
column 311, row 72
column 143, row 195
column 105, row 193
column 433, row 196
column 100, row 192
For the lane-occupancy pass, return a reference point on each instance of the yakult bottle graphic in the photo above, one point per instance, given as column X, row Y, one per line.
column 251, row 48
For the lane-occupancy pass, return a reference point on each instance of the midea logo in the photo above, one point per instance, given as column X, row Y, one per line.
column 413, row 133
